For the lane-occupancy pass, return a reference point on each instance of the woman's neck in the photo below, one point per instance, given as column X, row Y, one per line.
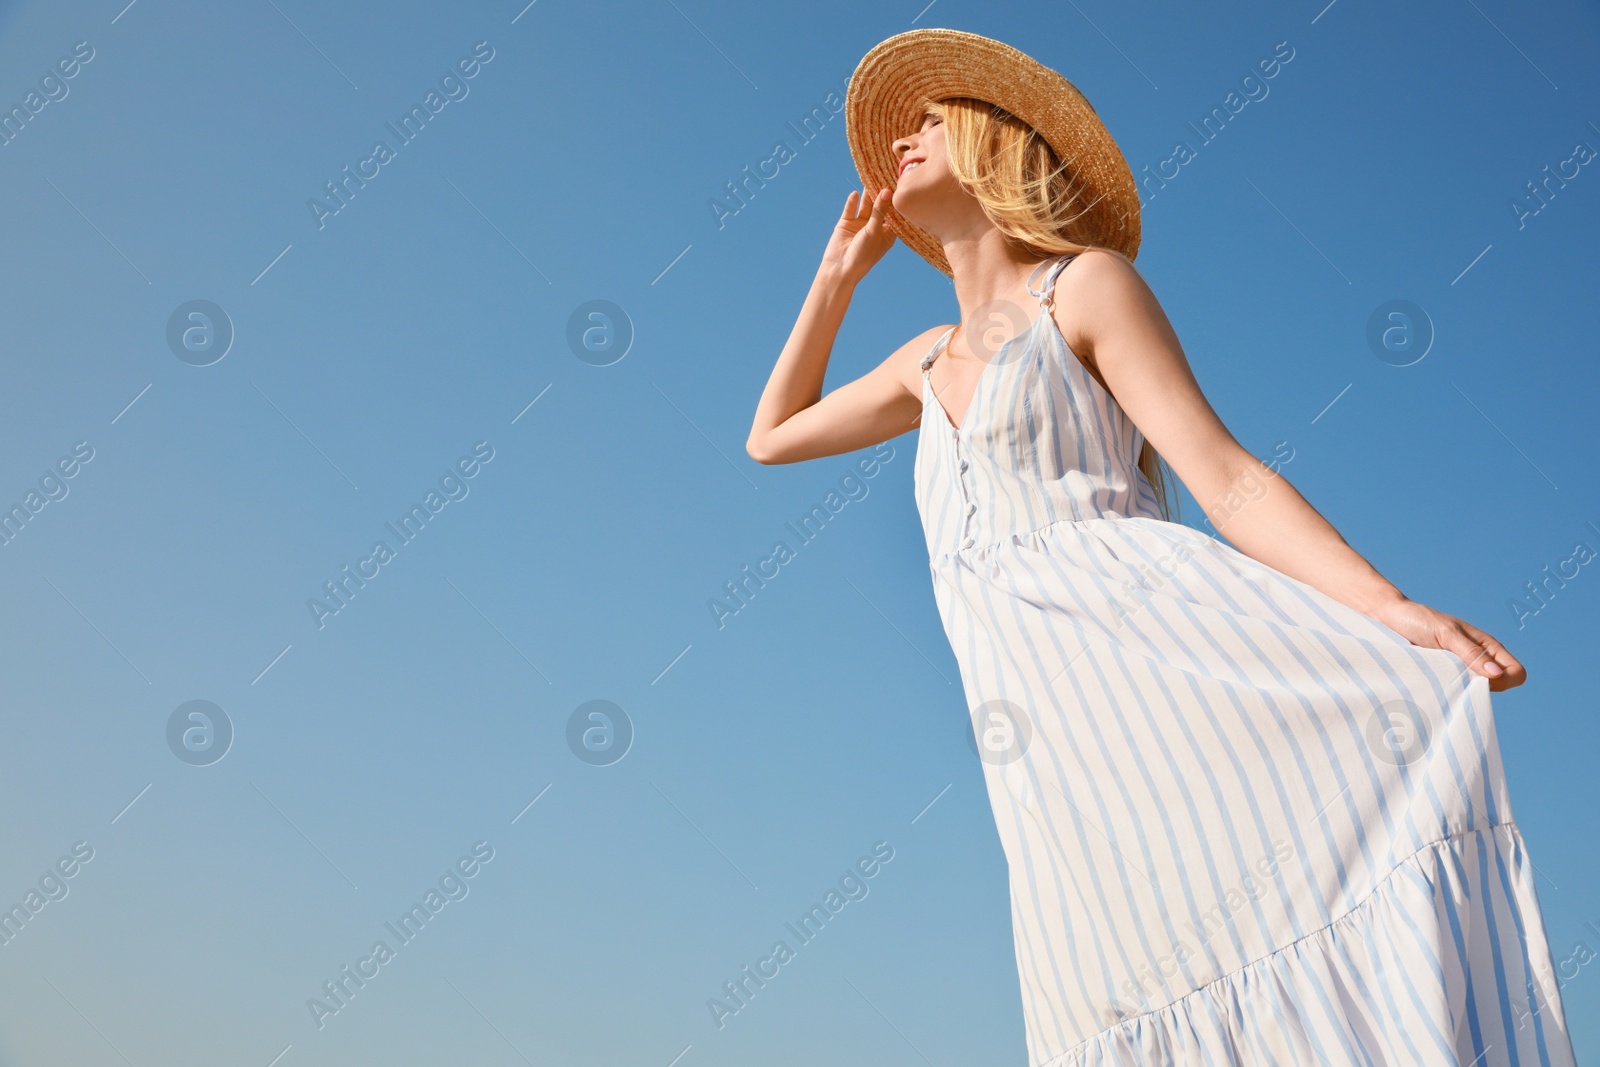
column 986, row 267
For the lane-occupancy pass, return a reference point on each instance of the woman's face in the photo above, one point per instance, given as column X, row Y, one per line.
column 926, row 192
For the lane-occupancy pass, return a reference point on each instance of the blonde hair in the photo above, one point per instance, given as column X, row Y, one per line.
column 1033, row 197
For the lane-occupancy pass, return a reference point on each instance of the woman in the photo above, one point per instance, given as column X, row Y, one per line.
column 1251, row 799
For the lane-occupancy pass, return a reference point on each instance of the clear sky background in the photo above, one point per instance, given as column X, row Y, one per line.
column 373, row 349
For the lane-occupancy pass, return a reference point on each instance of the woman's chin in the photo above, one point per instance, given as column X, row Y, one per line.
column 930, row 207
column 906, row 208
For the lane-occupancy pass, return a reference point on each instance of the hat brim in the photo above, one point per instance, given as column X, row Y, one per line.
column 883, row 103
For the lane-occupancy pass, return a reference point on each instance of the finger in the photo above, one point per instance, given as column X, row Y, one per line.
column 1471, row 652
column 849, row 206
column 880, row 207
column 1513, row 676
column 1486, row 665
column 1492, row 648
column 1510, row 664
column 868, row 212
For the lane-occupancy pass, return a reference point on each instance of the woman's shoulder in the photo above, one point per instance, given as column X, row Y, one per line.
column 915, row 350
column 1095, row 279
column 1102, row 265
column 922, row 345
column 906, row 361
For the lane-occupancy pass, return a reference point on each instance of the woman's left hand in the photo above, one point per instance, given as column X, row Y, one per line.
column 1427, row 628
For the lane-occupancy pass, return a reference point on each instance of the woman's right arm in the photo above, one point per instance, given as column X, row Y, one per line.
column 793, row 420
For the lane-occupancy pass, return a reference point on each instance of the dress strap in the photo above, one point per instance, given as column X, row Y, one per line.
column 1046, row 292
column 1046, row 296
column 933, row 353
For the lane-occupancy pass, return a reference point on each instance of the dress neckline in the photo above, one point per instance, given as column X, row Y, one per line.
column 1046, row 297
column 983, row 375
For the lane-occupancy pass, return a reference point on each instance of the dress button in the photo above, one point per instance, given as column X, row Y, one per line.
column 967, row 543
column 962, row 465
column 972, row 509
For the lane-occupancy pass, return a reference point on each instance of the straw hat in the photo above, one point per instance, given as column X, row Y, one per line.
column 883, row 102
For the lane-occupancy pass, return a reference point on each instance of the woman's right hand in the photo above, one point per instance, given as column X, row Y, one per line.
column 859, row 241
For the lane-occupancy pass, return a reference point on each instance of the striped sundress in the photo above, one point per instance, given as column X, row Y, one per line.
column 1244, row 823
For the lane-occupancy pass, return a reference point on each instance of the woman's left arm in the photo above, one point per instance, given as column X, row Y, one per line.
column 1113, row 321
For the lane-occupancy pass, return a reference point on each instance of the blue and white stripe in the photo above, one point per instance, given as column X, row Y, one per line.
column 1218, row 855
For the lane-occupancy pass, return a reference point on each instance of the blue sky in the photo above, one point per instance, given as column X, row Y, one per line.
column 380, row 352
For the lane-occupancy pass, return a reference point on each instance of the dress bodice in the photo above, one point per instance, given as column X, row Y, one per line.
column 1041, row 441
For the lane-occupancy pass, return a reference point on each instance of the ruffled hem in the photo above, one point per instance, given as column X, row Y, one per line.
column 1438, row 967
